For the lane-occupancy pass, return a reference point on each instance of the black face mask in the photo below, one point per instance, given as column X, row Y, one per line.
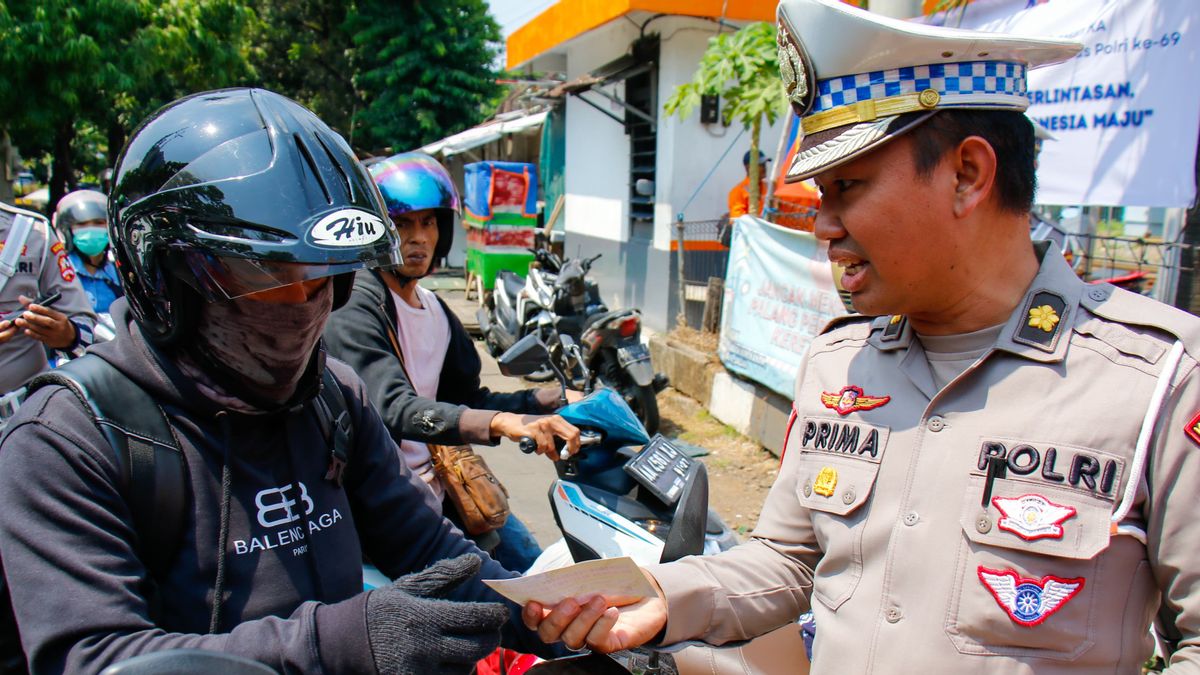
column 263, row 347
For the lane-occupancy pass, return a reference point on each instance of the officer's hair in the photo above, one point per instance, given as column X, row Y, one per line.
column 1009, row 133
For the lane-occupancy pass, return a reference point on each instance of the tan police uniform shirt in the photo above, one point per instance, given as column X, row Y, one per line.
column 882, row 516
column 42, row 268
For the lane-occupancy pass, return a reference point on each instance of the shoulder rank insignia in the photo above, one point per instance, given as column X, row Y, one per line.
column 1032, row 517
column 893, row 329
column 1193, row 429
column 1041, row 320
column 1028, row 601
column 851, row 399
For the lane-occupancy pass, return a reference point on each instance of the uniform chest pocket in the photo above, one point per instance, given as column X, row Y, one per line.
column 1030, row 571
column 835, row 488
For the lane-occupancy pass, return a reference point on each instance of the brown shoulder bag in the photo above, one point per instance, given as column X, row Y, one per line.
column 479, row 497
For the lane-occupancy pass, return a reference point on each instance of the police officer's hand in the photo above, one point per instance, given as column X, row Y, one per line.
column 541, row 428
column 589, row 621
column 45, row 324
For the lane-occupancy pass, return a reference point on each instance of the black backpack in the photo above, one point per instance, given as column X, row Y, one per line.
column 153, row 470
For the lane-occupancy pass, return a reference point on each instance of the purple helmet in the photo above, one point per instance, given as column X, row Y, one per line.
column 413, row 181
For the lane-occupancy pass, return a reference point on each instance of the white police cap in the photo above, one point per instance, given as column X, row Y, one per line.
column 855, row 77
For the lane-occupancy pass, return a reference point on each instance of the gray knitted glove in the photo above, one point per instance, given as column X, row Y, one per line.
column 413, row 632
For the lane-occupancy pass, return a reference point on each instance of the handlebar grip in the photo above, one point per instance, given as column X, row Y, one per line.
column 527, row 445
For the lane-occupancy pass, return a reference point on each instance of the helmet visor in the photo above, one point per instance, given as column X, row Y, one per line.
column 220, row 278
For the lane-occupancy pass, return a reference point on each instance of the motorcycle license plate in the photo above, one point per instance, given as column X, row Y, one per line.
column 662, row 468
column 632, row 354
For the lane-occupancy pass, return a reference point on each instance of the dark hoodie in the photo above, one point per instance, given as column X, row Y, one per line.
column 293, row 577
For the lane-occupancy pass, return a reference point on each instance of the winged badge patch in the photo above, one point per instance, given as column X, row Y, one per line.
column 1032, row 517
column 851, row 399
column 1193, row 429
column 1029, row 601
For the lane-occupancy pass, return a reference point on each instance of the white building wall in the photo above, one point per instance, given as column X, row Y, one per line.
column 597, row 149
column 687, row 149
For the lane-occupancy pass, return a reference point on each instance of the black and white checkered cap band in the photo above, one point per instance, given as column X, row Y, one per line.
column 978, row 80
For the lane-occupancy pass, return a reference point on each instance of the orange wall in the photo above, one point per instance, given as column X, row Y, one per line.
column 568, row 19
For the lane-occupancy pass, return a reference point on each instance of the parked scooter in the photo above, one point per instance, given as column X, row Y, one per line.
column 558, row 298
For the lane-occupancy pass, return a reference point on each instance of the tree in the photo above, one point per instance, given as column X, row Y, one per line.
column 302, row 49
column 743, row 69
column 82, row 66
column 423, row 69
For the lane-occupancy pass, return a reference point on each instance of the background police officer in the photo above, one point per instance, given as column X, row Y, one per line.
column 40, row 269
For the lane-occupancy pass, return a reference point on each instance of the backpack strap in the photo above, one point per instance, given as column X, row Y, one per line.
column 333, row 416
column 153, row 470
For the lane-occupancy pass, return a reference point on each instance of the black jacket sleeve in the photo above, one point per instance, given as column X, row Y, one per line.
column 358, row 334
column 400, row 534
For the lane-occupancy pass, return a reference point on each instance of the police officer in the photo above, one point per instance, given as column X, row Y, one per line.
column 34, row 264
column 992, row 468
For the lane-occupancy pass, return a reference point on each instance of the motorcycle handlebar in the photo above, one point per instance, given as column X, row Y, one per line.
column 586, row 437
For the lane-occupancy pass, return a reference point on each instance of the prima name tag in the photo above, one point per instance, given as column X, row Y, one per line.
column 842, row 437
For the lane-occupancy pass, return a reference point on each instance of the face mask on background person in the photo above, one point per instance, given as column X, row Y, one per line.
column 91, row 240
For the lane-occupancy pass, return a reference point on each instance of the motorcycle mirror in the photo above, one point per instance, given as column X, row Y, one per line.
column 528, row 355
column 644, row 187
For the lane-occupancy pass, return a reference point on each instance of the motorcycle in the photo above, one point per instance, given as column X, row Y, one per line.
column 626, row 494
column 621, row 494
column 557, row 298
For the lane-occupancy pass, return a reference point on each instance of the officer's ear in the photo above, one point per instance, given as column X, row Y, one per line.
column 974, row 163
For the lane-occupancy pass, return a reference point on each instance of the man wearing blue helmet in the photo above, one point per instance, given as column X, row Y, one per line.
column 418, row 362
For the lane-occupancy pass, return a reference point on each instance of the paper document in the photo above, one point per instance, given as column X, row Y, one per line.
column 617, row 579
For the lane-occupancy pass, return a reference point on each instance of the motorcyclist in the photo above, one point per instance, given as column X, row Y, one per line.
column 419, row 364
column 81, row 219
column 238, row 221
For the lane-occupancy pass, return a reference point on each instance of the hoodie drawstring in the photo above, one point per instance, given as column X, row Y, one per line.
column 226, row 478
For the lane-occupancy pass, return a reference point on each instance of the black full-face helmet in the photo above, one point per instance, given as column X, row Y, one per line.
column 231, row 192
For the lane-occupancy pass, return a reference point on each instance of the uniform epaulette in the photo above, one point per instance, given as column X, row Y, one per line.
column 857, row 325
column 13, row 210
column 1124, row 307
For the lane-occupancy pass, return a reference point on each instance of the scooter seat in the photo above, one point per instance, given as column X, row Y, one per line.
column 513, row 284
column 601, row 316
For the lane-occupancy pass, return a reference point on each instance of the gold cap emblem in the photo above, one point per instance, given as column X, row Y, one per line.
column 928, row 98
column 826, row 481
column 791, row 69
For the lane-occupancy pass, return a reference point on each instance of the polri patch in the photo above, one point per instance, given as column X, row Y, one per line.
column 65, row 269
column 1032, row 517
column 1028, row 602
column 1193, row 429
column 1042, row 320
column 852, row 399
